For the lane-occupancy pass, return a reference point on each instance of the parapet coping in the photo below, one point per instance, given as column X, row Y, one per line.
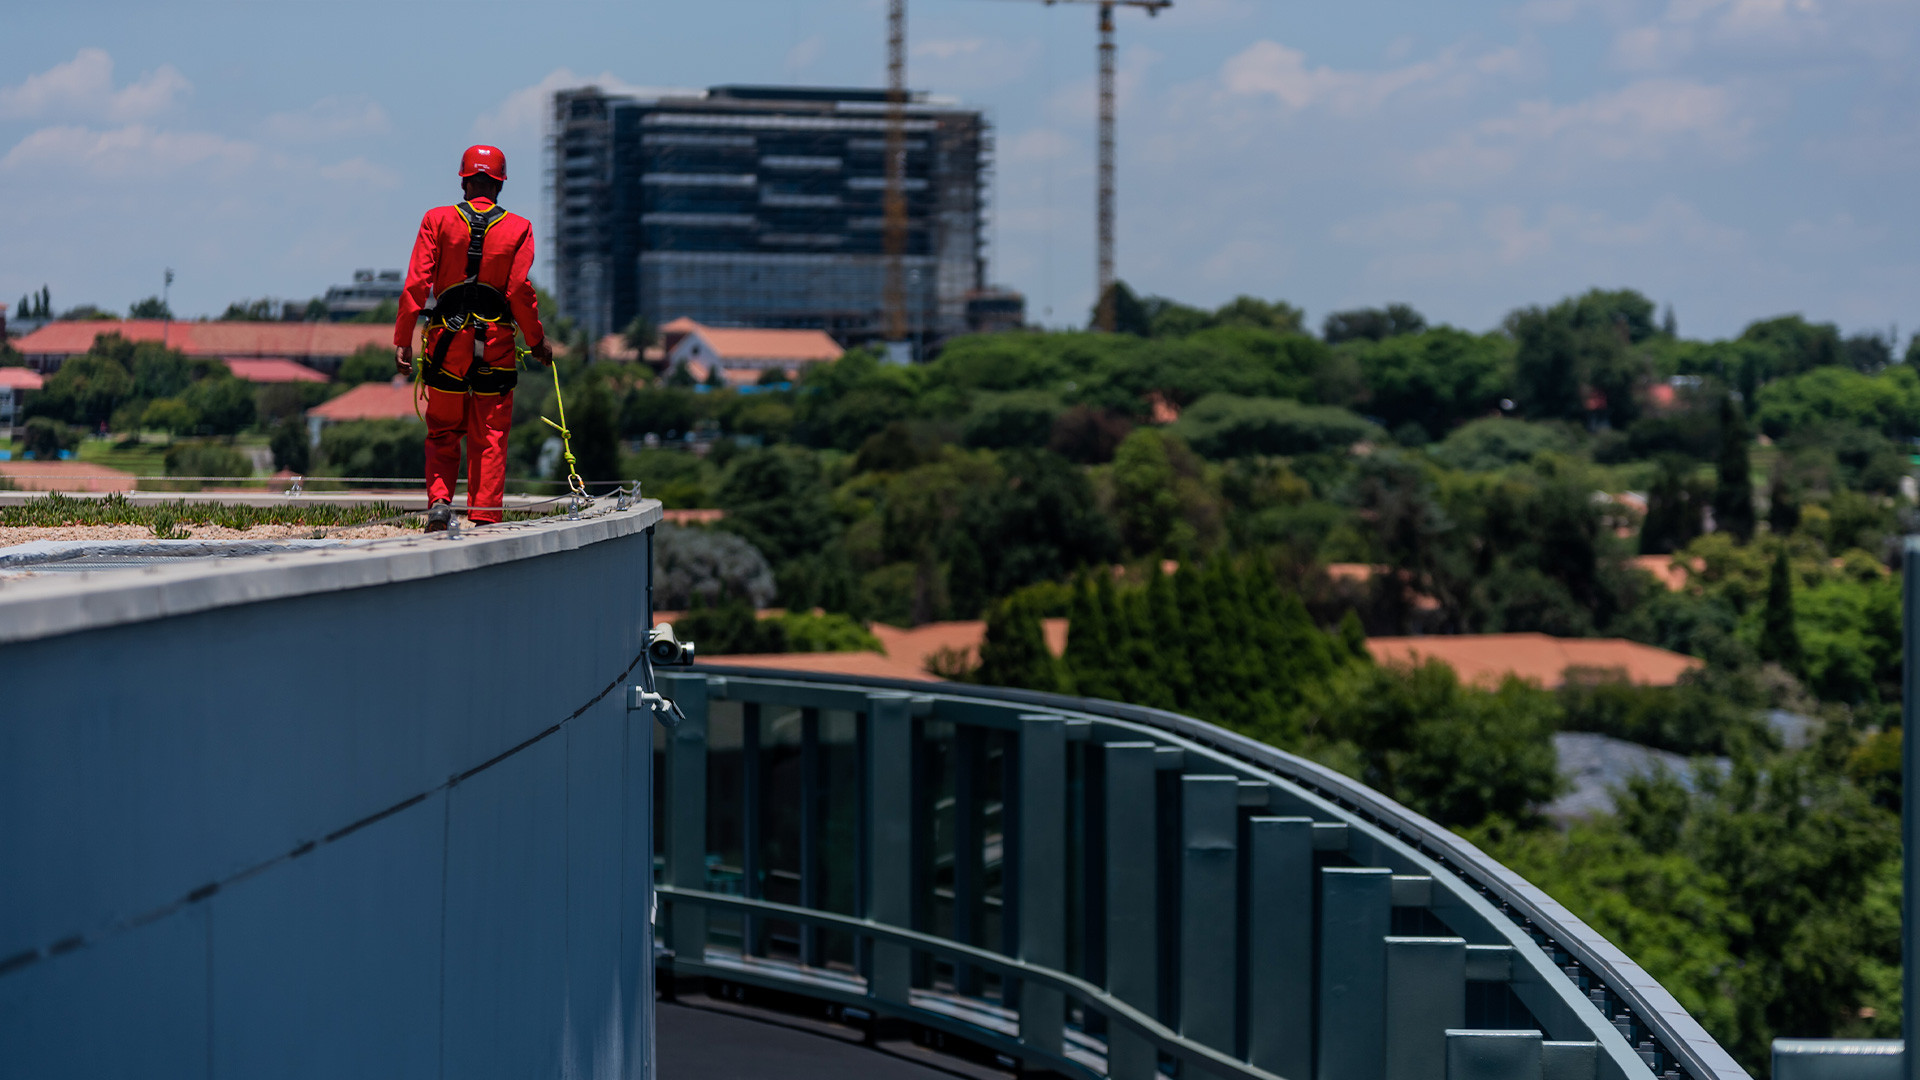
column 48, row 606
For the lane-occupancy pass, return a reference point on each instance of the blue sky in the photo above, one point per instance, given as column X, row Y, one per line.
column 1736, row 158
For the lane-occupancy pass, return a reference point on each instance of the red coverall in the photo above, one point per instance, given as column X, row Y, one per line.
column 483, row 420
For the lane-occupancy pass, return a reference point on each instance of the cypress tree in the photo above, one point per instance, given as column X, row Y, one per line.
column 1166, row 638
column 1089, row 644
column 1354, row 637
column 1783, row 506
column 1015, row 650
column 1779, row 637
column 1733, row 497
column 1146, row 670
column 1120, row 681
column 1200, row 642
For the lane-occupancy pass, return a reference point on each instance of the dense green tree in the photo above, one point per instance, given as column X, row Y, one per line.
column 1129, row 314
column 224, row 405
column 290, row 445
column 369, row 363
column 1372, row 324
column 777, row 499
column 150, row 308
column 1014, row 652
column 85, row 391
column 596, row 438
column 1674, row 504
column 1091, row 644
column 374, row 448
column 1779, row 637
column 1452, row 753
column 1733, row 511
column 1438, row 379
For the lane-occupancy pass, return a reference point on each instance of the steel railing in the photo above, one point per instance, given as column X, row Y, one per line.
column 1107, row 890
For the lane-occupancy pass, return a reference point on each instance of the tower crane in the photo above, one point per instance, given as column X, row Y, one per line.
column 1105, row 315
column 894, row 203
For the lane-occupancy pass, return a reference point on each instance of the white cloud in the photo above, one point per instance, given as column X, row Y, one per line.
column 330, row 118
column 132, row 151
column 1270, row 69
column 804, row 53
column 1036, row 144
column 1646, row 120
column 359, row 172
column 524, row 111
column 83, row 87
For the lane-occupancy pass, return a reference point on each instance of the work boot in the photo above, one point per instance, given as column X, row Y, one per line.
column 439, row 515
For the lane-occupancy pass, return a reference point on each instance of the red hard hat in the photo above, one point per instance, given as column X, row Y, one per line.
column 483, row 159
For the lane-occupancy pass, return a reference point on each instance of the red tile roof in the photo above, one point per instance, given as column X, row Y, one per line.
column 65, row 476
column 19, row 378
column 867, row 664
column 222, row 339
column 741, row 346
column 369, row 401
column 273, row 370
column 1486, row 659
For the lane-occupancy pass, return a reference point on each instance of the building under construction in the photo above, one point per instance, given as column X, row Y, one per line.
column 763, row 206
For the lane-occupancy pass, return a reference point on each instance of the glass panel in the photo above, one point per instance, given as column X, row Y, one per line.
column 935, row 806
column 659, row 802
column 726, row 821
column 778, row 866
column 840, row 826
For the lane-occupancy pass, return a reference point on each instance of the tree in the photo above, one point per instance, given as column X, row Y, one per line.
column 46, row 438
column 1673, row 508
column 694, row 566
column 151, row 308
column 224, row 404
column 777, row 499
column 85, row 391
column 265, row 309
column 1733, row 496
column 369, row 363
column 1372, row 324
column 596, row 443
column 1779, row 636
column 173, row 416
column 1129, row 315
column 1090, row 654
column 291, row 449
column 1783, row 505
column 1014, row 652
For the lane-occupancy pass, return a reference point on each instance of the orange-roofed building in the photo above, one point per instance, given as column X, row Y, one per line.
column 1487, row 659
column 15, row 384
column 319, row 345
column 743, row 355
column 272, row 370
column 368, row 401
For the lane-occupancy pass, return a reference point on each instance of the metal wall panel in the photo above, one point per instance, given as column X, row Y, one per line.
column 345, row 938
column 1356, row 912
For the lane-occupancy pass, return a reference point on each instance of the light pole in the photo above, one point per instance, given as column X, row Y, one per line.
column 166, row 309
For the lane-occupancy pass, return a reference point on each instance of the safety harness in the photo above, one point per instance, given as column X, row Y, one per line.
column 470, row 304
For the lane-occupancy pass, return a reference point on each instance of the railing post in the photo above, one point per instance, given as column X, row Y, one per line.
column 1279, row 907
column 1426, row 995
column 1041, row 906
column 1356, row 913
column 1493, row 1055
column 889, row 825
column 687, row 810
column 1133, row 931
column 1209, row 908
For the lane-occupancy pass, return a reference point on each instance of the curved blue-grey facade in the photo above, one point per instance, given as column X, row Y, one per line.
column 368, row 812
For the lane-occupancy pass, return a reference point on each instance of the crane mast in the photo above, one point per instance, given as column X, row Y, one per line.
column 1104, row 212
column 894, row 205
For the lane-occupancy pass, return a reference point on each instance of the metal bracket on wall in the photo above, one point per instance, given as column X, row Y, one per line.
column 662, row 707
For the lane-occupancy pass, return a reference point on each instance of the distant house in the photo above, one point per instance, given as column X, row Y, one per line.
column 15, row 383
column 318, row 345
column 272, row 370
column 368, row 401
column 743, row 356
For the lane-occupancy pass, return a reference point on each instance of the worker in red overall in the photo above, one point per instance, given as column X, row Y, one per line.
column 468, row 281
